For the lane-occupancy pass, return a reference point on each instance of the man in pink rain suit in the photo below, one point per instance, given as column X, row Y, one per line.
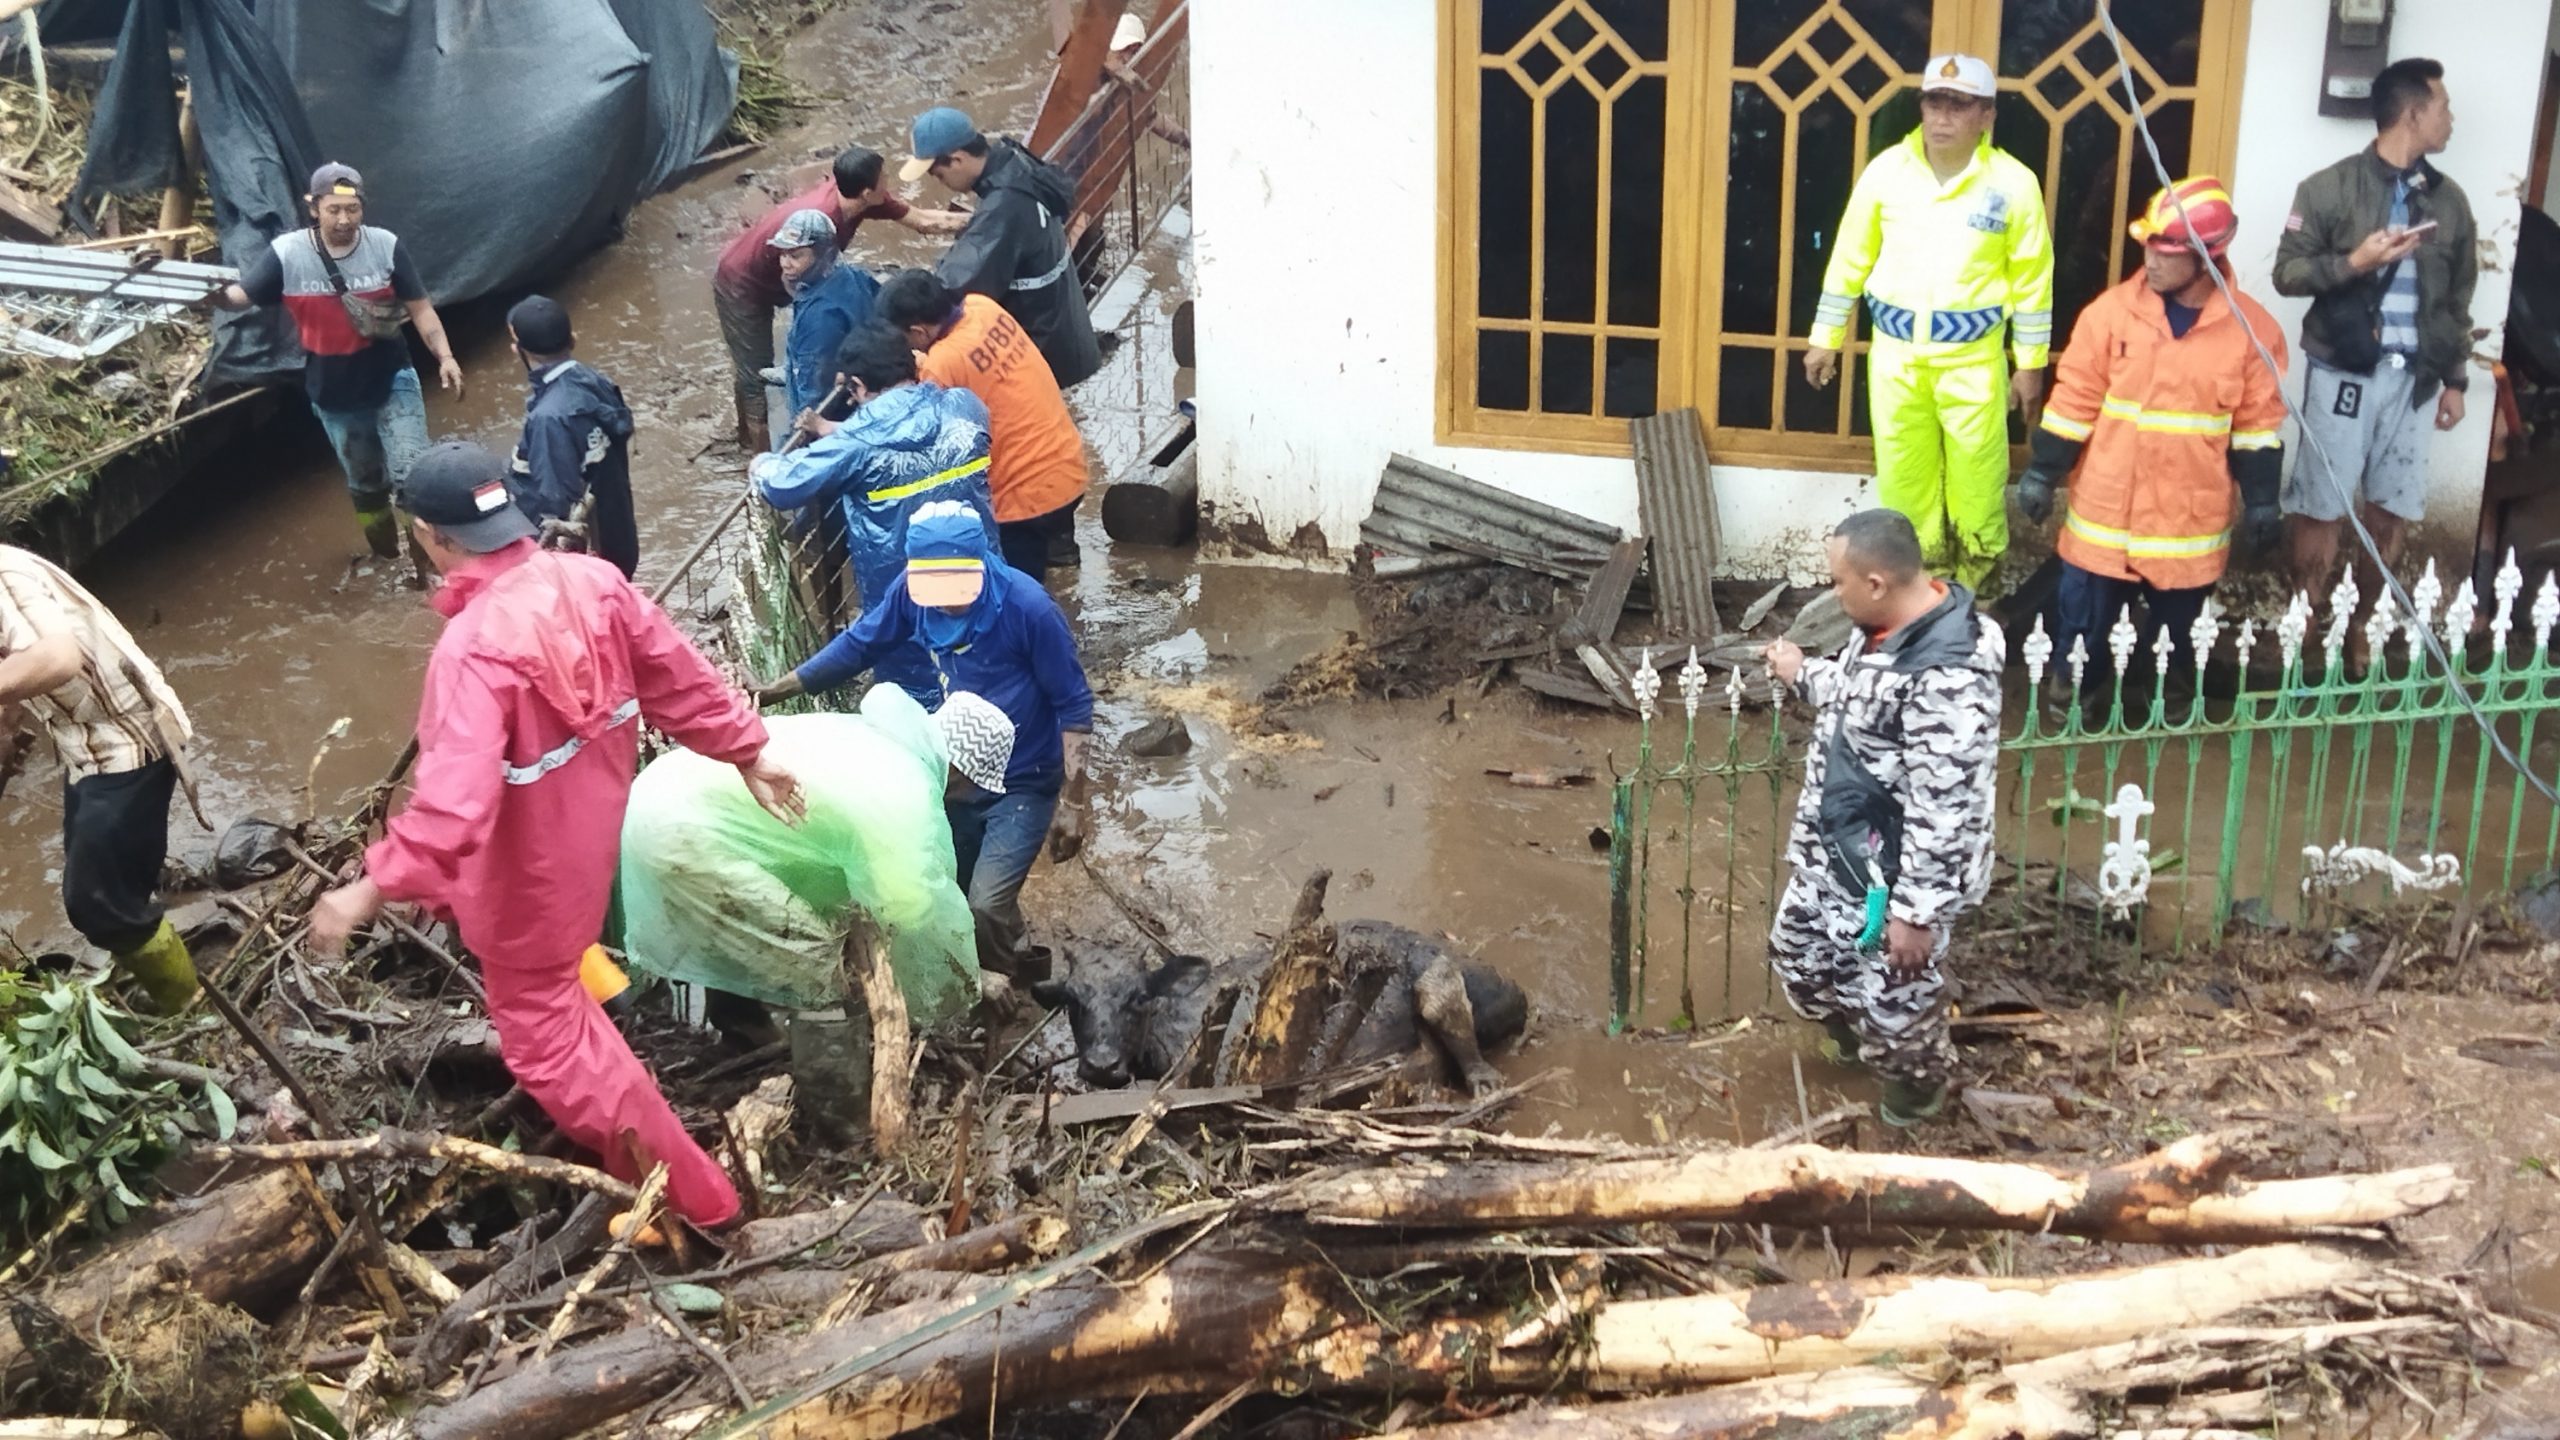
column 528, row 738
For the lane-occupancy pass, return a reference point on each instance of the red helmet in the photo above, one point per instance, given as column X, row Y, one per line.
column 2207, row 216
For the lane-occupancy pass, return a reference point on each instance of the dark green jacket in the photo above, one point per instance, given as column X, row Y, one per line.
column 2333, row 211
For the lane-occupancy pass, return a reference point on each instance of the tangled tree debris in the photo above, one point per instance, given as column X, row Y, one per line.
column 392, row 1231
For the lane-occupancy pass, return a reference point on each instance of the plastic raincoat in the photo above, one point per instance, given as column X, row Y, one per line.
column 528, row 737
column 716, row 892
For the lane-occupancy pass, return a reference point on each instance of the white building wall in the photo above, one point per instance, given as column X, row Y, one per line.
column 1316, row 195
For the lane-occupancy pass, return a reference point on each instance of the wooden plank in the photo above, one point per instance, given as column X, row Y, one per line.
column 1675, row 494
column 1079, row 73
column 1556, row 685
column 24, row 214
column 1596, row 620
column 1095, row 1106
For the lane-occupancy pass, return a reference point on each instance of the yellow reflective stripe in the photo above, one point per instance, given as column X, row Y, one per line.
column 2153, row 547
column 960, row 563
column 2066, row 427
column 2173, row 422
column 918, row 487
column 2256, row 439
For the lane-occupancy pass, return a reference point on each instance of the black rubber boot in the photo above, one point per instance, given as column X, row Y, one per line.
column 1905, row 1105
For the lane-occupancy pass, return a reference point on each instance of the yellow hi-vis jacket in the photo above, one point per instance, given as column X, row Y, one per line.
column 1943, row 266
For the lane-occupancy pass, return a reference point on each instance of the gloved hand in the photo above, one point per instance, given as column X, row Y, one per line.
column 2261, row 526
column 2035, row 496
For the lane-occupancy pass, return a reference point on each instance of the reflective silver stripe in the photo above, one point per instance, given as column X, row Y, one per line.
column 1066, row 253
column 567, row 750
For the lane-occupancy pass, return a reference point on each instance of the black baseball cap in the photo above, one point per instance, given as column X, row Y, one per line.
column 461, row 489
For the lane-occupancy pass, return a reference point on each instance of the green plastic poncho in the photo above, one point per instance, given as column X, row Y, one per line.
column 716, row 892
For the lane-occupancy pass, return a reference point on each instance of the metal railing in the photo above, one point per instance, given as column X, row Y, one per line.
column 2316, row 787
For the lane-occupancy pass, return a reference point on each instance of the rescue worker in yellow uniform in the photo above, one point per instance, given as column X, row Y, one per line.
column 2161, row 409
column 1946, row 238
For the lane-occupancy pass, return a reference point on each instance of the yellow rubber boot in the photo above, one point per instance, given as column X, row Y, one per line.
column 163, row 968
column 604, row 980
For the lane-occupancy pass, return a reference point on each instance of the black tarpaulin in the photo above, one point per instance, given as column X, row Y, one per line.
column 258, row 149
column 499, row 139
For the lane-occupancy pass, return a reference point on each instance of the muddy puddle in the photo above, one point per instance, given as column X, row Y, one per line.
column 242, row 587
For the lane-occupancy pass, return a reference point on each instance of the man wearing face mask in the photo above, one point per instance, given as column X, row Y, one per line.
column 908, row 443
column 577, row 437
column 987, row 629
column 829, row 301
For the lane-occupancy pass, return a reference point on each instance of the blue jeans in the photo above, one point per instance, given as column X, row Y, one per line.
column 377, row 447
column 997, row 837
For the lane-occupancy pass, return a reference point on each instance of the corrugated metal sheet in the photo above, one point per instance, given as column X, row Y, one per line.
column 1676, row 495
column 1422, row 508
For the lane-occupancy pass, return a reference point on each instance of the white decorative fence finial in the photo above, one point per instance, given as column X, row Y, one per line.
column 1647, row 683
column 2124, row 864
column 2038, row 649
column 2120, row 641
column 1693, row 683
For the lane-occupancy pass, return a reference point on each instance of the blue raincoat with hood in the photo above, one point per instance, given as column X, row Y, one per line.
column 829, row 301
column 905, row 448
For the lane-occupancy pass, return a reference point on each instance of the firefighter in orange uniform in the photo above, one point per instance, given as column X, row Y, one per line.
column 2161, row 410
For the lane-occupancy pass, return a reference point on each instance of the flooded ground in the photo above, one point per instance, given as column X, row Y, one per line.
column 245, row 593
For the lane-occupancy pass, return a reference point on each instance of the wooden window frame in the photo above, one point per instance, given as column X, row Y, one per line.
column 1688, row 334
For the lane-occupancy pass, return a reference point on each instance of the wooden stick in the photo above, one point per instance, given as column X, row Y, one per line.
column 636, row 1220
column 393, row 1144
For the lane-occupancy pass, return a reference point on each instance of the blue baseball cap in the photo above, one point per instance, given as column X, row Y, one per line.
column 946, row 554
column 936, row 133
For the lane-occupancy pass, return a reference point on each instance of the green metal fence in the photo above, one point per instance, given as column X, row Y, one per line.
column 2314, row 787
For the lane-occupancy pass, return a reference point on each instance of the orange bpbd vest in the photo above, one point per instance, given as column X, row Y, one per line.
column 2152, row 498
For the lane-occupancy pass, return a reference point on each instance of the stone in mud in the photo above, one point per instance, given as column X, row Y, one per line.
column 1160, row 738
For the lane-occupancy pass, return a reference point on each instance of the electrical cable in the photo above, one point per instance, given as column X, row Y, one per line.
column 2409, row 619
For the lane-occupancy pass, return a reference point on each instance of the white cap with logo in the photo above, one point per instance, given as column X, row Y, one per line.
column 1960, row 75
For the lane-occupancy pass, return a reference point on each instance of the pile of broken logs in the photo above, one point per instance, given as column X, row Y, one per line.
column 1166, row 1262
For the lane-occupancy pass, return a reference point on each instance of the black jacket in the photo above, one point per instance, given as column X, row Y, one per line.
column 1015, row 253
column 2333, row 211
column 577, row 440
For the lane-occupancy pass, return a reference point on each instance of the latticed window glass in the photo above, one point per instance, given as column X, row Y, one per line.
column 1562, row 144
column 1641, row 193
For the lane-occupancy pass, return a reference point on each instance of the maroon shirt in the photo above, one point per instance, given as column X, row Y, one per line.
column 751, row 269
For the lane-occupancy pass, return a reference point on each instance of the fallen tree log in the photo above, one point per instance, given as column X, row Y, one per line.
column 2178, row 1195
column 874, row 1226
column 234, row 1245
column 1208, row 1323
column 2067, row 1395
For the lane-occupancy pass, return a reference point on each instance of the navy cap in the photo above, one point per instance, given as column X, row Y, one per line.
column 461, row 489
column 540, row 324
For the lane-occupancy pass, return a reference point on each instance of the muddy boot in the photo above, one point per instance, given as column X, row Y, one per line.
column 163, row 970
column 831, row 1071
column 1840, row 1044
column 754, row 437
column 1904, row 1104
column 381, row 529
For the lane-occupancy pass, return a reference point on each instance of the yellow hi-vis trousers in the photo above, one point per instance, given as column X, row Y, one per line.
column 1942, row 451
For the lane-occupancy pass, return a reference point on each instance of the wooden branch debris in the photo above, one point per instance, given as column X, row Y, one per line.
column 2180, row 1195
column 1289, row 1017
column 391, row 1144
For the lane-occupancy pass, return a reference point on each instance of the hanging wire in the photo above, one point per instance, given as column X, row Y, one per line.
column 2423, row 633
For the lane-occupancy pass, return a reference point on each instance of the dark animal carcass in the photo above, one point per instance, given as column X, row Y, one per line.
column 1395, row 990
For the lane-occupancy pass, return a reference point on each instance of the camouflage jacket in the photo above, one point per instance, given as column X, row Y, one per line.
column 1902, row 771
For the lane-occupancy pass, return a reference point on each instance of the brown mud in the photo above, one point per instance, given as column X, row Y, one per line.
column 246, row 595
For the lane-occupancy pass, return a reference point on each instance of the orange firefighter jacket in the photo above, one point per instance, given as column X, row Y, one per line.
column 2162, row 430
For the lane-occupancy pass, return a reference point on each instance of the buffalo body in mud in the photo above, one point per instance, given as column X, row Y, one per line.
column 1395, row 992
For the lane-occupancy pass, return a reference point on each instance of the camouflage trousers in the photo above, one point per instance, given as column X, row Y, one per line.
column 1901, row 1025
